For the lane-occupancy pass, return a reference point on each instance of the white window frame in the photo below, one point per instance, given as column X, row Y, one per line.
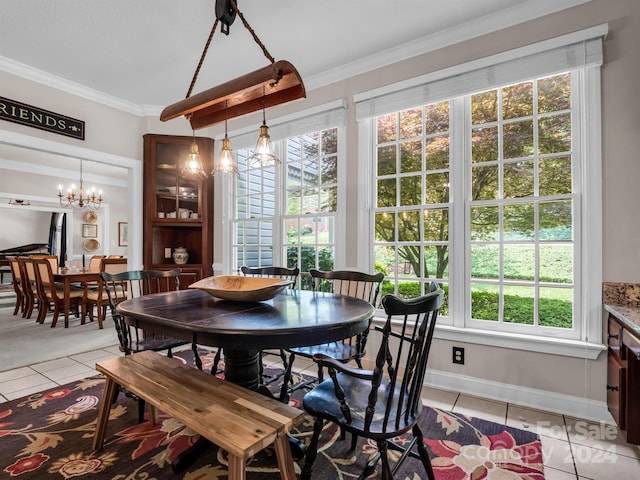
column 580, row 52
column 321, row 117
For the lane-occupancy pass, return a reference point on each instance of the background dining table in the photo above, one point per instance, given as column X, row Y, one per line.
column 69, row 277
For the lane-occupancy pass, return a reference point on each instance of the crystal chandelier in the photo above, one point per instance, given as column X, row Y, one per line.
column 80, row 199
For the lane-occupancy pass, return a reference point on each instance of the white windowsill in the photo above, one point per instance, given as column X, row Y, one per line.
column 529, row 343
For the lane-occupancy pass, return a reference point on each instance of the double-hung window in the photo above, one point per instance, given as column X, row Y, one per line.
column 287, row 215
column 486, row 180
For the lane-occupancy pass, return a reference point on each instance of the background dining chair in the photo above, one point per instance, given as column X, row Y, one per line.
column 273, row 272
column 16, row 280
column 30, row 285
column 361, row 285
column 95, row 262
column 51, row 294
column 135, row 283
column 97, row 297
column 384, row 403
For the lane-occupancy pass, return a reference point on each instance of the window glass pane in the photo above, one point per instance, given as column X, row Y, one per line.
column 437, row 188
column 436, row 225
column 484, row 144
column 485, row 301
column 519, row 304
column 411, row 190
column 411, row 123
column 555, row 133
column 294, row 202
column 485, row 261
column 385, row 226
column 436, row 262
column 484, row 107
column 329, row 199
column 269, row 205
column 517, row 100
column 555, row 176
column 484, row 183
column 518, row 139
column 410, row 157
column 437, row 153
column 519, row 222
column 330, row 141
column 387, row 128
column 519, row 262
column 387, row 160
column 330, row 170
column 554, row 93
column 556, row 221
column 436, row 118
column 485, row 223
column 555, row 308
column 408, row 289
column 556, row 263
column 518, row 180
column 294, row 149
column 387, row 192
column 385, row 259
column 310, row 145
column 409, row 226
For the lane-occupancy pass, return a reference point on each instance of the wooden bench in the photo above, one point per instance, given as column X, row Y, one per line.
column 240, row 421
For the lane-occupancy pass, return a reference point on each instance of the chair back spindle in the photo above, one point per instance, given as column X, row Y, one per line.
column 386, row 402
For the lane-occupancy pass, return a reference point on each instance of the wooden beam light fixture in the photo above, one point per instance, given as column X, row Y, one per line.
column 269, row 86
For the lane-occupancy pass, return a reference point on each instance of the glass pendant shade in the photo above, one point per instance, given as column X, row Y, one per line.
column 263, row 155
column 193, row 163
column 226, row 162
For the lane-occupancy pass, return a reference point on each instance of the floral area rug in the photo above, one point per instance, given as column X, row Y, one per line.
column 48, row 435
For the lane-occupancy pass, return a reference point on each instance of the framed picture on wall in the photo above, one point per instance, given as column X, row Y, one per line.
column 89, row 230
column 123, row 234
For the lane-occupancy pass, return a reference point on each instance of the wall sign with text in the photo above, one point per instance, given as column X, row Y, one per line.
column 24, row 114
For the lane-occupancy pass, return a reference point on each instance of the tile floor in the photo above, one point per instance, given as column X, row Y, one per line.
column 573, row 449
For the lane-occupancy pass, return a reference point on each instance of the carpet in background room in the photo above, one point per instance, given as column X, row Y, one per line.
column 49, row 435
column 24, row 342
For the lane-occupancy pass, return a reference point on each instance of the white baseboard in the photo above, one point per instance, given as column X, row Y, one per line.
column 573, row 406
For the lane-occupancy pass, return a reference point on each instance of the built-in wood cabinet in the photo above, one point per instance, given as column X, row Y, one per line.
column 623, row 378
column 178, row 209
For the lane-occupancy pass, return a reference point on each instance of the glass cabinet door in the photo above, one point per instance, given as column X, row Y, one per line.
column 177, row 196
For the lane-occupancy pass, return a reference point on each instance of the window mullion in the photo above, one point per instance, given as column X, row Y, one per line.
column 460, row 155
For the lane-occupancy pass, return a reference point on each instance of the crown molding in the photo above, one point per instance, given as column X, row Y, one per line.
column 508, row 17
column 39, row 76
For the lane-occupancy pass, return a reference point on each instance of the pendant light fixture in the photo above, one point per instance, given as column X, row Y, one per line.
column 242, row 95
column 193, row 163
column 80, row 199
column 226, row 162
column 263, row 155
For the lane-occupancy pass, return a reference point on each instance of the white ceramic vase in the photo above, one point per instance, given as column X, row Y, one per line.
column 180, row 256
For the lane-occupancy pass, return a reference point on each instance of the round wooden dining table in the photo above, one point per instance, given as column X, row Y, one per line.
column 293, row 319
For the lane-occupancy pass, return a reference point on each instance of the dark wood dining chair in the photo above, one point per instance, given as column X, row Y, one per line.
column 52, row 295
column 285, row 273
column 386, row 402
column 16, row 280
column 135, row 283
column 361, row 285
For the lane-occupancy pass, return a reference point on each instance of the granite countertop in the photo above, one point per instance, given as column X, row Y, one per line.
column 628, row 315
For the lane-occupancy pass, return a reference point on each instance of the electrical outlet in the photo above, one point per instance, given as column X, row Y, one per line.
column 458, row 355
column 167, row 252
